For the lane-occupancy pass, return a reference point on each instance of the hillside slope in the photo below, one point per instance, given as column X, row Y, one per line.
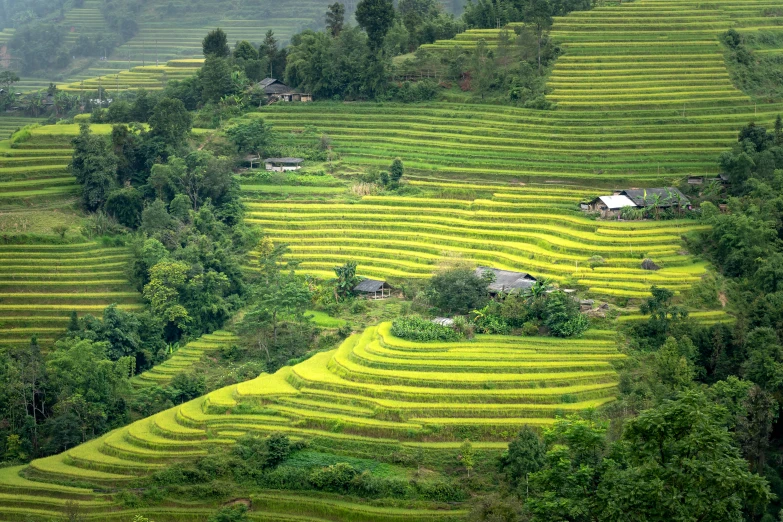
column 374, row 396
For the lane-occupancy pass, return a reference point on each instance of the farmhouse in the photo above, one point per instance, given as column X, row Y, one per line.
column 506, row 281
column 278, row 91
column 373, row 289
column 273, row 87
column 609, row 206
column 283, row 164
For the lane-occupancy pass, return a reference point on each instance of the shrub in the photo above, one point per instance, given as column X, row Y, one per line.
column 458, row 290
column 562, row 316
column 418, row 329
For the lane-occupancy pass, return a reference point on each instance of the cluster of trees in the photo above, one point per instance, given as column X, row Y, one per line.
column 675, row 461
column 460, row 290
column 52, row 402
column 488, row 14
column 757, row 74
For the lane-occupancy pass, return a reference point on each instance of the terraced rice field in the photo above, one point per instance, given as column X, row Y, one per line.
column 40, row 285
column 483, row 141
column 150, row 77
column 652, row 54
column 184, row 358
column 174, row 29
column 661, row 54
column 374, row 395
column 535, row 230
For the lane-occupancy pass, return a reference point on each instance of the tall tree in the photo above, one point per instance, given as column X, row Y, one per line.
column 678, row 462
column 376, row 18
column 335, row 18
column 171, row 122
column 94, row 166
column 538, row 13
column 216, row 44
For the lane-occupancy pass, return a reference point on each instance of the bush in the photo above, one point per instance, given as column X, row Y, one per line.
column 562, row 316
column 417, row 329
column 458, row 290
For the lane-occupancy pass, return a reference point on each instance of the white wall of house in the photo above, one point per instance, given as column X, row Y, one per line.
column 282, row 168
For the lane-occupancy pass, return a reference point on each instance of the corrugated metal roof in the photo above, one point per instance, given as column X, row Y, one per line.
column 506, row 280
column 615, row 202
column 369, row 285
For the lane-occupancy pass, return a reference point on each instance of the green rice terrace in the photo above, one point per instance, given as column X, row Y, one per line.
column 535, row 230
column 40, row 285
column 374, row 395
column 184, row 358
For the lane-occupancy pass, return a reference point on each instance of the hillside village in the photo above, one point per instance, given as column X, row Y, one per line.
column 491, row 261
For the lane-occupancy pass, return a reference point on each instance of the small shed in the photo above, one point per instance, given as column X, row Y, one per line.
column 444, row 321
column 507, row 281
column 283, row 164
column 373, row 289
column 610, row 206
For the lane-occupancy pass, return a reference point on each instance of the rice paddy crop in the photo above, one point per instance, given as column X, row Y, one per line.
column 375, row 389
column 184, row 358
column 406, row 237
column 40, row 285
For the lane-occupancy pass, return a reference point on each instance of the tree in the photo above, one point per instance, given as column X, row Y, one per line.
column 94, row 166
column 275, row 57
column 216, row 79
column 7, row 80
column 252, row 136
column 395, row 172
column 754, row 426
column 346, row 280
column 167, row 280
column 125, row 205
column 277, row 297
column 565, row 488
column 482, row 68
column 525, row 455
column 678, row 462
column 244, row 50
column 171, row 122
column 216, row 44
column 539, row 14
column 335, row 17
column 563, row 317
column 467, row 455
column 458, row 290
column 376, row 18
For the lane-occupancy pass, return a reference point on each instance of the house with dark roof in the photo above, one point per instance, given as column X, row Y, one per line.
column 664, row 197
column 506, row 281
column 278, row 91
column 273, row 87
column 373, row 289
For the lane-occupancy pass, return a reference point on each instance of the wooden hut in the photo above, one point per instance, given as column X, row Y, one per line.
column 373, row 289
